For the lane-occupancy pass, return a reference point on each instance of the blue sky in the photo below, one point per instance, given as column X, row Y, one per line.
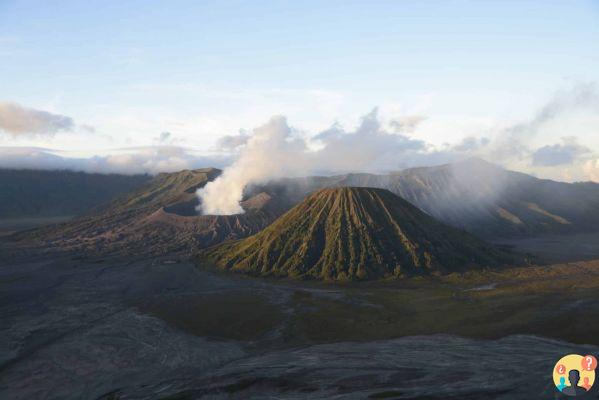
column 202, row 70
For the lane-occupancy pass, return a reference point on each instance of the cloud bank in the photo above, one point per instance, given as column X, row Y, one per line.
column 140, row 160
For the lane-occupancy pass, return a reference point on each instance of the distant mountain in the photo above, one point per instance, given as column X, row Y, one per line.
column 36, row 193
column 355, row 233
column 158, row 218
column 477, row 196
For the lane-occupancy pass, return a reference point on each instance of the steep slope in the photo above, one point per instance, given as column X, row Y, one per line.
column 159, row 218
column 355, row 233
column 490, row 201
column 477, row 196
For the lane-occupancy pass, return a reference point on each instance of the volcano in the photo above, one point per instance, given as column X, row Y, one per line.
column 159, row 218
column 355, row 233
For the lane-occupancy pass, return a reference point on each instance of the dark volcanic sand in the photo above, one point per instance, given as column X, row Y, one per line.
column 150, row 330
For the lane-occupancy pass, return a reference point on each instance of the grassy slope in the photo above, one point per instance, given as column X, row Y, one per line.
column 355, row 233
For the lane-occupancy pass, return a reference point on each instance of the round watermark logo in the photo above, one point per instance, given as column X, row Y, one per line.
column 574, row 375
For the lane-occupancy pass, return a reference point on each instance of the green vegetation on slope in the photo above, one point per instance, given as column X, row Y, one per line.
column 355, row 233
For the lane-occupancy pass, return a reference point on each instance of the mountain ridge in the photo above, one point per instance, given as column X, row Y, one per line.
column 477, row 196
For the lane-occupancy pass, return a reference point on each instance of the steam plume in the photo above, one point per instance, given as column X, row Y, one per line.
column 275, row 150
column 269, row 153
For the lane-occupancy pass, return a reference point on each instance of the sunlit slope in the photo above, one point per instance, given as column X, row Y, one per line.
column 355, row 233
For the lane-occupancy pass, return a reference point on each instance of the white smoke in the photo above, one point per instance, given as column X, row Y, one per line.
column 270, row 152
column 275, row 150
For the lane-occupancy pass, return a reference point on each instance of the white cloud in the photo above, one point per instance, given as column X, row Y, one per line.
column 573, row 112
column 407, row 124
column 559, row 153
column 232, row 142
column 18, row 120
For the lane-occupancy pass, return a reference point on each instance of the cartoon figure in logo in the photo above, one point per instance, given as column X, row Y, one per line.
column 562, row 383
column 574, row 389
